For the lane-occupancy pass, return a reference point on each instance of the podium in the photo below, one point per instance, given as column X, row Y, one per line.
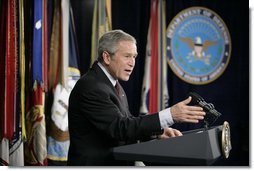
column 196, row 147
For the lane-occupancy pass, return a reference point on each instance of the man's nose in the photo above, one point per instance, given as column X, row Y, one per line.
column 132, row 62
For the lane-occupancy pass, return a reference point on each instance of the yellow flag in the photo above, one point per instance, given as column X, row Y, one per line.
column 101, row 24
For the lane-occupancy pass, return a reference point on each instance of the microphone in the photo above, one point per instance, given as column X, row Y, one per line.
column 211, row 113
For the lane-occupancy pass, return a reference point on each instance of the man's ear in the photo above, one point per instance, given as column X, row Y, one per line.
column 106, row 57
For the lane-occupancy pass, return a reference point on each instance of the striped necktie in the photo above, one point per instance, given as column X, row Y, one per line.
column 118, row 89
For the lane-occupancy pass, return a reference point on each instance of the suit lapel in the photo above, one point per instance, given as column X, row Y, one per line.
column 122, row 101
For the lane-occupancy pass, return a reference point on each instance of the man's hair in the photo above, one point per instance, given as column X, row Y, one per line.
column 110, row 40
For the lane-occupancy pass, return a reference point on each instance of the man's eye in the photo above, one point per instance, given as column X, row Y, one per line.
column 130, row 56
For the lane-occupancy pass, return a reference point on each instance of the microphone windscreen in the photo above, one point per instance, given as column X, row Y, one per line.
column 195, row 98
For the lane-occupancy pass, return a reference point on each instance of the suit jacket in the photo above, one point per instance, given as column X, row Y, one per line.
column 99, row 120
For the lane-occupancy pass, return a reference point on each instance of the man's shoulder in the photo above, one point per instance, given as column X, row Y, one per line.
column 91, row 81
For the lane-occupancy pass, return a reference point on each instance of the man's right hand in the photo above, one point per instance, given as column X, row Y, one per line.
column 182, row 112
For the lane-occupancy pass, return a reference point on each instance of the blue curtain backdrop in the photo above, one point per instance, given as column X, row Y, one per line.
column 229, row 93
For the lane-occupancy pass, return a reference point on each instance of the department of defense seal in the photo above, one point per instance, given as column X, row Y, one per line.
column 198, row 45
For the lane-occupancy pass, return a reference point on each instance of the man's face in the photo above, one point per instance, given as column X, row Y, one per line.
column 121, row 64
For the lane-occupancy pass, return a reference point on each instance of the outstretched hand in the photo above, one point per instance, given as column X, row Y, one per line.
column 182, row 112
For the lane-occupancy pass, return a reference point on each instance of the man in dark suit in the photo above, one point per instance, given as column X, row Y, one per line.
column 99, row 118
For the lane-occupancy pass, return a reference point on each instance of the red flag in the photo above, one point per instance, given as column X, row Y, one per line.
column 10, row 69
column 154, row 91
column 154, row 57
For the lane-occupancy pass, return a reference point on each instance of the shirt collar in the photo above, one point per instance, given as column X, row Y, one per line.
column 111, row 79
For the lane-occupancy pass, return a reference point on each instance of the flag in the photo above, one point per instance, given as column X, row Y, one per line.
column 55, row 43
column 45, row 42
column 154, row 95
column 4, row 152
column 58, row 139
column 16, row 151
column 102, row 22
column 35, row 147
column 11, row 146
column 35, row 151
column 11, row 56
column 22, row 68
column 2, row 63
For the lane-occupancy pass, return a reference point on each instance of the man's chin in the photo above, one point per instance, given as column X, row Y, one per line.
column 125, row 79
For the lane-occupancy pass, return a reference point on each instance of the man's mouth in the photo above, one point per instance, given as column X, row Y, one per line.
column 128, row 71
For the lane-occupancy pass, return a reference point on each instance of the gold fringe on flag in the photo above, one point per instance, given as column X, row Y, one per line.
column 22, row 67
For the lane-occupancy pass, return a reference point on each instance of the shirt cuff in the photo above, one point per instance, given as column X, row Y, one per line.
column 166, row 119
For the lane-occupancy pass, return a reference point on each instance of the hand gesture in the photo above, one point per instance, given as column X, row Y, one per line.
column 182, row 112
